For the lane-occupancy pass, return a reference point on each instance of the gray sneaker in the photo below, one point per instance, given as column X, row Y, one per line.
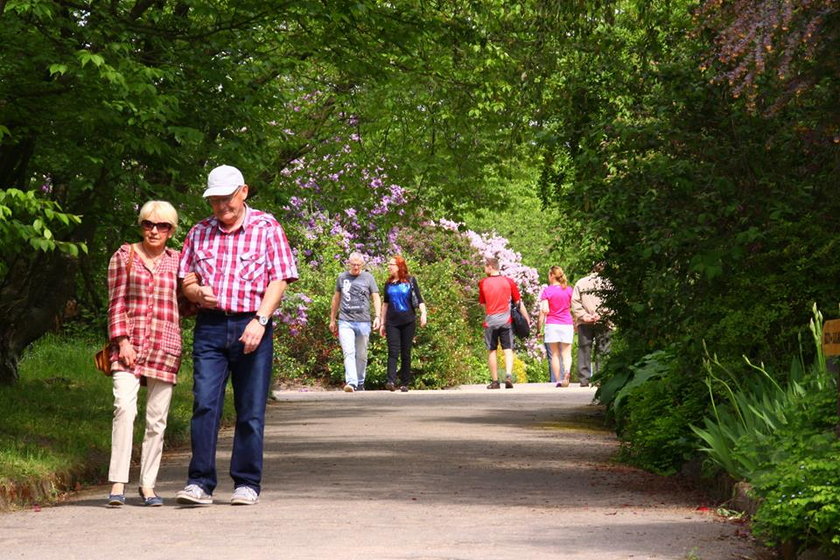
column 244, row 496
column 193, row 495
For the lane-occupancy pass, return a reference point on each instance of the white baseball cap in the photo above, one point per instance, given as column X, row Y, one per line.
column 223, row 181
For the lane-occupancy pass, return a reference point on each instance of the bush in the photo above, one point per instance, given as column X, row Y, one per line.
column 655, row 431
column 800, row 497
column 653, row 402
column 444, row 354
column 780, row 437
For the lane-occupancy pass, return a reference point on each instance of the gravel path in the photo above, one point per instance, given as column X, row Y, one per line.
column 460, row 474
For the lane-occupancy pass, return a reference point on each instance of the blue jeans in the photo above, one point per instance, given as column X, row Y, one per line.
column 353, row 337
column 548, row 357
column 217, row 355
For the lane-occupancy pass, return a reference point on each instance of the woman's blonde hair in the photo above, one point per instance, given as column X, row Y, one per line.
column 558, row 273
column 160, row 208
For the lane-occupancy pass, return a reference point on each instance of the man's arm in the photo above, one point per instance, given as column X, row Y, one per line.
column 382, row 315
column 203, row 296
column 334, row 312
column 377, row 304
column 273, row 295
column 577, row 304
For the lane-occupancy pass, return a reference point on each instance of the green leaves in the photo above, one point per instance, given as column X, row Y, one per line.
column 779, row 437
column 27, row 219
column 85, row 57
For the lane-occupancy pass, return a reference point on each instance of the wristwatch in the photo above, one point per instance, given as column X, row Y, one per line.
column 261, row 320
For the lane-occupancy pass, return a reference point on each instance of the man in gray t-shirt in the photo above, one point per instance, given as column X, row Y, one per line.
column 354, row 291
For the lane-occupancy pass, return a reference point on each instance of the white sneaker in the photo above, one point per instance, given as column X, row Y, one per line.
column 244, row 496
column 193, row 494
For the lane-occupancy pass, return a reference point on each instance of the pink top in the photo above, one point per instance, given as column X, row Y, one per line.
column 144, row 307
column 559, row 303
column 239, row 265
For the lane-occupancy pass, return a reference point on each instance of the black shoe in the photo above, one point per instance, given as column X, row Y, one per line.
column 584, row 383
column 403, row 389
column 494, row 385
column 390, row 386
column 508, row 383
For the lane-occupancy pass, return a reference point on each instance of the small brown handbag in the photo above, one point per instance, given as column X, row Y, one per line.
column 102, row 359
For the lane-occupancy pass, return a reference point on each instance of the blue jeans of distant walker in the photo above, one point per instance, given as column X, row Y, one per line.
column 353, row 337
column 548, row 358
column 217, row 355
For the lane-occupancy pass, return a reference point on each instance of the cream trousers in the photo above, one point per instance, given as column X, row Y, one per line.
column 126, row 387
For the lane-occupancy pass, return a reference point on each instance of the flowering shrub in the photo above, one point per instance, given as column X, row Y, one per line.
column 341, row 204
column 336, row 205
column 510, row 265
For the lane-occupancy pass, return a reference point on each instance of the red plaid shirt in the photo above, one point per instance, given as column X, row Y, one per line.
column 239, row 265
column 144, row 307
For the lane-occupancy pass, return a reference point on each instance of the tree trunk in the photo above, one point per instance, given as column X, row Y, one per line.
column 30, row 302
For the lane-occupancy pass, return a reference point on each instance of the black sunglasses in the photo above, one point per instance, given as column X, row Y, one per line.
column 161, row 226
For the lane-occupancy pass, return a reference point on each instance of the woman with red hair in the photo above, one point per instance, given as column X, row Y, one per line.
column 400, row 303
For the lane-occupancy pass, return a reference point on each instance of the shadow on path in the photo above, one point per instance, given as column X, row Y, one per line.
column 517, row 474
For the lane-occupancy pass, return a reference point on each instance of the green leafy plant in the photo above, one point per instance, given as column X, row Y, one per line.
column 779, row 436
column 800, row 497
column 740, row 434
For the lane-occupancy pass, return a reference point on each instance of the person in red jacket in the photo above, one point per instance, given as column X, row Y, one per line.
column 495, row 293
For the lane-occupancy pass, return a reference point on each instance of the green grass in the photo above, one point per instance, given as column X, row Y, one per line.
column 57, row 418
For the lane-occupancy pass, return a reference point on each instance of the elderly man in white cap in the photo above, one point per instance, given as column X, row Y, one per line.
column 243, row 264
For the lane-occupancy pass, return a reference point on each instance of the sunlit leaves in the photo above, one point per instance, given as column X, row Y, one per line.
column 27, row 219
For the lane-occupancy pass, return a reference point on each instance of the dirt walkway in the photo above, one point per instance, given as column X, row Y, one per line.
column 461, row 474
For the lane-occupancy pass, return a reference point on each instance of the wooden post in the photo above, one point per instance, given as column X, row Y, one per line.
column 831, row 351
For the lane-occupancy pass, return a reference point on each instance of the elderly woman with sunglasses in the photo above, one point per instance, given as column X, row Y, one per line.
column 145, row 335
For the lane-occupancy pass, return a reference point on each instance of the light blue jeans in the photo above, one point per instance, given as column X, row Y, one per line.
column 353, row 337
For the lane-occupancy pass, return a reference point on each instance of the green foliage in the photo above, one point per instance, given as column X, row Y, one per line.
column 801, row 497
column 618, row 386
column 57, row 418
column 444, row 354
column 653, row 403
column 521, row 219
column 112, row 106
column 536, row 369
column 444, row 350
column 28, row 219
column 780, row 436
column 739, row 435
column 703, row 209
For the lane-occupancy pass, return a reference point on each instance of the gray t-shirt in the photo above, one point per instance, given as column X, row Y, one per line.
column 355, row 295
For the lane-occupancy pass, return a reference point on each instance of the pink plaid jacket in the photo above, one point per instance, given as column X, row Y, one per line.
column 144, row 307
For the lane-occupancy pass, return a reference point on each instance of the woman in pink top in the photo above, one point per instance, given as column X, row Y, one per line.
column 557, row 323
